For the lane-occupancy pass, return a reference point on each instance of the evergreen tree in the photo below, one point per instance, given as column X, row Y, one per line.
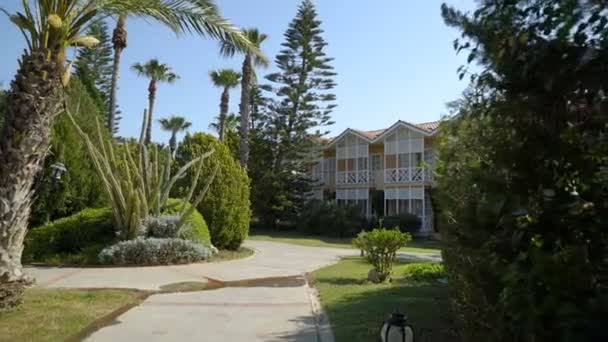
column 302, row 103
column 522, row 182
column 2, row 105
column 94, row 66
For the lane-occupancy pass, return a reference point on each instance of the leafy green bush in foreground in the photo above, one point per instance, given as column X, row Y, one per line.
column 380, row 247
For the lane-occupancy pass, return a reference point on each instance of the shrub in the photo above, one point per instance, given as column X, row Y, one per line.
column 329, row 219
column 380, row 247
column 91, row 230
column 70, row 234
column 80, row 187
column 406, row 222
column 226, row 205
column 165, row 226
column 199, row 230
column 424, row 271
column 154, row 251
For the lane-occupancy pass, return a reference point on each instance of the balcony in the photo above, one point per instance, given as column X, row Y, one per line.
column 406, row 175
column 353, row 177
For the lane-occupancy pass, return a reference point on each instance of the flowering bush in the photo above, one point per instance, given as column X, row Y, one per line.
column 165, row 226
column 154, row 251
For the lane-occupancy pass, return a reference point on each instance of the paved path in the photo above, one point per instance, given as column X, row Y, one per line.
column 254, row 312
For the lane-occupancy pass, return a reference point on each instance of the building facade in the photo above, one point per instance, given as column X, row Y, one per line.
column 386, row 172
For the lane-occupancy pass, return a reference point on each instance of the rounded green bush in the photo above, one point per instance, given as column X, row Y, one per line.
column 226, row 206
column 196, row 221
column 70, row 235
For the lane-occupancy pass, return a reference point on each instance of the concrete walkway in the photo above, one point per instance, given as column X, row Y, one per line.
column 252, row 312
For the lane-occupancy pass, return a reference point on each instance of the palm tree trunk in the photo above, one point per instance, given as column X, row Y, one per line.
column 173, row 143
column 144, row 125
column 33, row 103
column 151, row 99
column 224, row 112
column 245, row 107
column 119, row 40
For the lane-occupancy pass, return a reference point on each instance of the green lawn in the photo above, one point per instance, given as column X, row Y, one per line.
column 423, row 246
column 58, row 314
column 357, row 308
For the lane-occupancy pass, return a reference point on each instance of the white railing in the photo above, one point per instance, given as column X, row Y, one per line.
column 353, row 177
column 405, row 175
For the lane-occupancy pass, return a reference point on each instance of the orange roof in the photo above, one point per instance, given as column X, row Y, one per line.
column 426, row 126
column 370, row 134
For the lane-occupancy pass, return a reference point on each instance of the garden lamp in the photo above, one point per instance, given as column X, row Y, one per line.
column 396, row 329
column 58, row 169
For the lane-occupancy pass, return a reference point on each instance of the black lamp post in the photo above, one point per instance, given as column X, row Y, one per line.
column 396, row 329
column 57, row 171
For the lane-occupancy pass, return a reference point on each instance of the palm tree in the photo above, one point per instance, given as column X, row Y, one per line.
column 225, row 79
column 34, row 100
column 247, row 82
column 231, row 124
column 157, row 73
column 174, row 124
column 119, row 41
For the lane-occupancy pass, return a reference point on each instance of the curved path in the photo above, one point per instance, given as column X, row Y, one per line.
column 255, row 311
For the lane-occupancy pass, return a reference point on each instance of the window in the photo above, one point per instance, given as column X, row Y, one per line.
column 417, row 207
column 416, row 159
column 377, row 162
column 404, row 160
column 362, row 163
column 403, row 206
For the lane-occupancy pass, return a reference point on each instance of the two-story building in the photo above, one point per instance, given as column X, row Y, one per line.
column 385, row 172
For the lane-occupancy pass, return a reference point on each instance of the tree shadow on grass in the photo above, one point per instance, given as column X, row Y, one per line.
column 358, row 316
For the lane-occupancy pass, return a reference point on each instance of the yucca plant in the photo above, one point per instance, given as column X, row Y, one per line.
column 139, row 187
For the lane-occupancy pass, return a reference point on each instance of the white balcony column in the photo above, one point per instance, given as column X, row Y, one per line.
column 423, row 206
column 422, row 163
column 409, row 156
column 409, row 201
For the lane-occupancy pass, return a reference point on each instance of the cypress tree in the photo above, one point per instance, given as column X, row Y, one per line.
column 293, row 118
column 93, row 66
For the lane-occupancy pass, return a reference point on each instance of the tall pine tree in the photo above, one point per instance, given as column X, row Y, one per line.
column 292, row 119
column 93, row 66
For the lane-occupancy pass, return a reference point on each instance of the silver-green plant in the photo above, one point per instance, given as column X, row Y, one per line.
column 138, row 189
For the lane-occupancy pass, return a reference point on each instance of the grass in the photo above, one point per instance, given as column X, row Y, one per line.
column 357, row 308
column 57, row 314
column 226, row 255
column 419, row 246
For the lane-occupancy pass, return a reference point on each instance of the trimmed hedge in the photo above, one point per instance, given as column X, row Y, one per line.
column 70, row 235
column 88, row 231
column 226, row 206
column 406, row 222
column 328, row 219
column 424, row 271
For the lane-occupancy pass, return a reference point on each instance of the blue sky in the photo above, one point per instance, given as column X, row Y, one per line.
column 394, row 60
